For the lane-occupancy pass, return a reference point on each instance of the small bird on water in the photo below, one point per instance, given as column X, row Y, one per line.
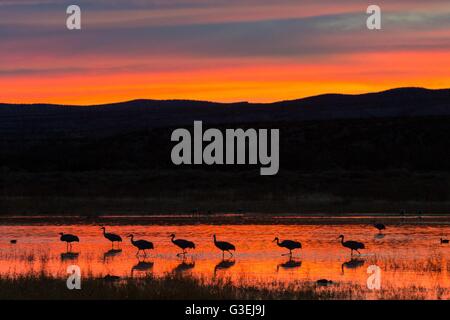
column 444, row 241
column 324, row 282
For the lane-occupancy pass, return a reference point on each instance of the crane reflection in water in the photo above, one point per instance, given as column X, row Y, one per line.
column 404, row 254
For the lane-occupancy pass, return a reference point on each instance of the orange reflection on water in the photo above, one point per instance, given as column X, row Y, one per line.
column 407, row 254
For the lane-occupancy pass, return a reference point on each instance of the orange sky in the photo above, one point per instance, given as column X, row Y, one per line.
column 230, row 51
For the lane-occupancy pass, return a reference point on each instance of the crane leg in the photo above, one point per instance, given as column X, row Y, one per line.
column 230, row 253
column 287, row 254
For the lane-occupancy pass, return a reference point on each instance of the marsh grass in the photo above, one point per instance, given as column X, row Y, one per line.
column 177, row 287
column 431, row 264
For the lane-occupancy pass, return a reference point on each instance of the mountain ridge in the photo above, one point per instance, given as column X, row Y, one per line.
column 308, row 98
column 43, row 119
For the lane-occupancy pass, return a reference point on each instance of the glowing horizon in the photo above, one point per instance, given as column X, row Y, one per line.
column 226, row 51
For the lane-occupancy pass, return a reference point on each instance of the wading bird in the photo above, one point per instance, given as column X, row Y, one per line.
column 288, row 244
column 68, row 238
column 224, row 246
column 183, row 244
column 352, row 245
column 379, row 226
column 111, row 236
column 444, row 241
column 141, row 244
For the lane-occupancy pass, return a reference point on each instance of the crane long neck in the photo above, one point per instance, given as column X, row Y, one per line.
column 132, row 239
column 278, row 241
column 215, row 241
column 172, row 237
column 342, row 240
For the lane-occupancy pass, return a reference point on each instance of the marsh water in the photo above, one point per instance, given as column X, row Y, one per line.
column 408, row 252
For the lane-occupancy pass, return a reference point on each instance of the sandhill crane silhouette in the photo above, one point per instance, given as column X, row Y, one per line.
column 290, row 264
column 68, row 238
column 352, row 245
column 444, row 241
column 111, row 236
column 141, row 244
column 183, row 244
column 379, row 226
column 288, row 244
column 224, row 246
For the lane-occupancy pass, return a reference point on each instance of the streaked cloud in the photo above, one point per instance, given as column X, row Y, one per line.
column 169, row 40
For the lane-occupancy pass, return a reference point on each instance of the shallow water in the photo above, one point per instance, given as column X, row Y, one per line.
column 408, row 254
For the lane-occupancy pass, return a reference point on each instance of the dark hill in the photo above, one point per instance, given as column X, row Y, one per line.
column 374, row 152
column 144, row 114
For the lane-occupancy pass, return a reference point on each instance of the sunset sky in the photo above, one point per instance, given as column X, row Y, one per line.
column 220, row 50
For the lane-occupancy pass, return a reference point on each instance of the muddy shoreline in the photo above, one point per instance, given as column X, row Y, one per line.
column 229, row 219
